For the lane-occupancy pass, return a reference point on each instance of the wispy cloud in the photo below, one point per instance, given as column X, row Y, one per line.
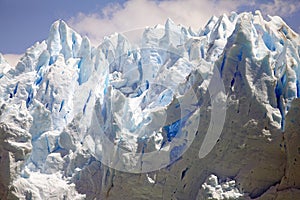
column 137, row 14
column 140, row 13
column 282, row 8
column 12, row 59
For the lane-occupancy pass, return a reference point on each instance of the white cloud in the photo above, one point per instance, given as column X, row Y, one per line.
column 136, row 14
column 282, row 8
column 12, row 59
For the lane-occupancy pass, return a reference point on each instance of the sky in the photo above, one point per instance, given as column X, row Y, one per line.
column 22, row 23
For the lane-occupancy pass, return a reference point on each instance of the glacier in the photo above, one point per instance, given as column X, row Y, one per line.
column 175, row 114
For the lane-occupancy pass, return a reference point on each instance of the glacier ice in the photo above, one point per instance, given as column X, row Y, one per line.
column 213, row 189
column 140, row 107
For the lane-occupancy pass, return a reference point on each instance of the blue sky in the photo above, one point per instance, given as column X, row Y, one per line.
column 23, row 22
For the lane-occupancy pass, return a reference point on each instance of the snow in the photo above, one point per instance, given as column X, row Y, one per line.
column 108, row 102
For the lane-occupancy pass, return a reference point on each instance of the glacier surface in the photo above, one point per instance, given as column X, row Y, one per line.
column 136, row 107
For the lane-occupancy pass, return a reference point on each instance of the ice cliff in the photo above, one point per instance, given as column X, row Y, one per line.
column 180, row 114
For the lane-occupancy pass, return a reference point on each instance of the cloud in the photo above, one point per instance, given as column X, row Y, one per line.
column 137, row 14
column 12, row 59
column 281, row 7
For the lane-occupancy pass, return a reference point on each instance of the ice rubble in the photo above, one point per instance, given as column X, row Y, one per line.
column 213, row 189
column 84, row 100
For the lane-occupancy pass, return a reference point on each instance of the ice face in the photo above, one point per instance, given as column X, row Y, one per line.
column 4, row 66
column 117, row 103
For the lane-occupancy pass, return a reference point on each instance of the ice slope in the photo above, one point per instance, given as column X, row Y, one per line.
column 139, row 108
